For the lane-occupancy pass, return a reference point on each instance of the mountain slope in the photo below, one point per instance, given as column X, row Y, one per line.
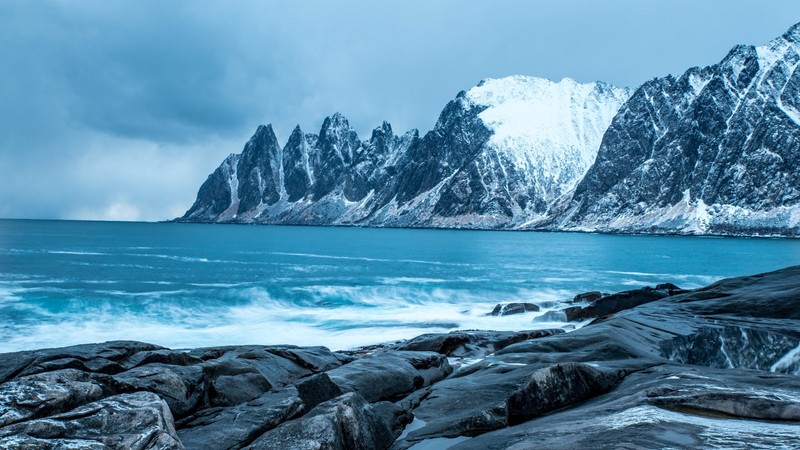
column 715, row 151
column 497, row 157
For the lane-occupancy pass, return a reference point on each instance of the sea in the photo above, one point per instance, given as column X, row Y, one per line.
column 199, row 285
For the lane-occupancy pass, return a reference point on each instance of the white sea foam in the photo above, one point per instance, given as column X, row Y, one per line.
column 367, row 259
column 368, row 316
column 66, row 252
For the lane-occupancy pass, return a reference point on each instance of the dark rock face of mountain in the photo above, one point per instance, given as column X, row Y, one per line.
column 716, row 150
column 715, row 367
column 258, row 171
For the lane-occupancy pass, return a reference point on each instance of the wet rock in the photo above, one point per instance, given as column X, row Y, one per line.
column 240, row 374
column 587, row 297
column 471, row 343
column 666, row 406
column 101, row 358
column 388, row 375
column 315, row 359
column 317, row 389
column 397, row 417
column 614, row 303
column 182, row 387
column 238, row 426
column 732, row 347
column 671, row 289
column 747, row 403
column 161, row 356
column 39, row 395
column 469, row 403
column 347, row 423
column 138, row 420
column 558, row 386
column 770, row 295
column 508, row 309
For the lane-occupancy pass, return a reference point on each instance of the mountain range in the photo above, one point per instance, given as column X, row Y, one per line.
column 714, row 151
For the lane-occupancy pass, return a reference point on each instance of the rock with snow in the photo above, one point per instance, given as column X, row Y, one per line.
column 714, row 151
column 498, row 157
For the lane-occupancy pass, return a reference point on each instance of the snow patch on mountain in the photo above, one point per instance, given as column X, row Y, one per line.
column 552, row 129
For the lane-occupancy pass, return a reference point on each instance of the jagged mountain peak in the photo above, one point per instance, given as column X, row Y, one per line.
column 781, row 49
column 716, row 150
column 265, row 133
column 466, row 171
column 382, row 132
column 792, row 34
column 334, row 122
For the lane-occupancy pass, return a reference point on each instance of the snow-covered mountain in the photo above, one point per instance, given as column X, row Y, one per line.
column 715, row 151
column 500, row 154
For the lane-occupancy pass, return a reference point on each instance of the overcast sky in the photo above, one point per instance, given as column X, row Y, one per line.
column 120, row 109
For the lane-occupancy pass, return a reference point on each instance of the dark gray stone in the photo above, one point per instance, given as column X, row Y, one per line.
column 182, row 387
column 344, row 423
column 557, row 387
column 513, row 308
column 471, row 343
column 240, row 425
column 138, row 420
column 389, row 375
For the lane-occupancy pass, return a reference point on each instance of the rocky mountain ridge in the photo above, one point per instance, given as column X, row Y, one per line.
column 714, row 151
column 498, row 156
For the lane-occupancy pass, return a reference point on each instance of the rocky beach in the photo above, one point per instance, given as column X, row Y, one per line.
column 661, row 367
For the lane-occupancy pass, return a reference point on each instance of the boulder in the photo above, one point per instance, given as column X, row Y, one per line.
column 390, row 375
column 135, row 421
column 508, row 309
column 35, row 396
column 614, row 303
column 347, row 422
column 556, row 387
column 240, row 425
column 587, row 297
column 471, row 343
column 100, row 358
column 182, row 387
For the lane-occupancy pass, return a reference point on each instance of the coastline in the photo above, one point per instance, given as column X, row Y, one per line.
column 704, row 368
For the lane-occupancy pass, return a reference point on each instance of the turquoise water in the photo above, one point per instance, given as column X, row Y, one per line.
column 184, row 285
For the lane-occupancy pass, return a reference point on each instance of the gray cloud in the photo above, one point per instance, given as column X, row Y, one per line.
column 121, row 109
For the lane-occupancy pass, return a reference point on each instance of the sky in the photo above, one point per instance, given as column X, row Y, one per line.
column 119, row 110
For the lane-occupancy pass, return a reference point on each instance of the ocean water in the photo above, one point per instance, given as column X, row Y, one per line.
column 185, row 285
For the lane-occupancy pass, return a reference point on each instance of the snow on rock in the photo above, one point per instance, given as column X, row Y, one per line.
column 497, row 157
column 715, row 151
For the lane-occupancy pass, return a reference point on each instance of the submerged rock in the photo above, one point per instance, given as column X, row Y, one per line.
column 508, row 309
column 614, row 303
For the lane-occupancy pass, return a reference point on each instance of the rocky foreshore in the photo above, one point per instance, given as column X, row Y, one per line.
column 659, row 367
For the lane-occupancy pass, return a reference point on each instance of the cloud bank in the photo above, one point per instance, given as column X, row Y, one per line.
column 119, row 110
